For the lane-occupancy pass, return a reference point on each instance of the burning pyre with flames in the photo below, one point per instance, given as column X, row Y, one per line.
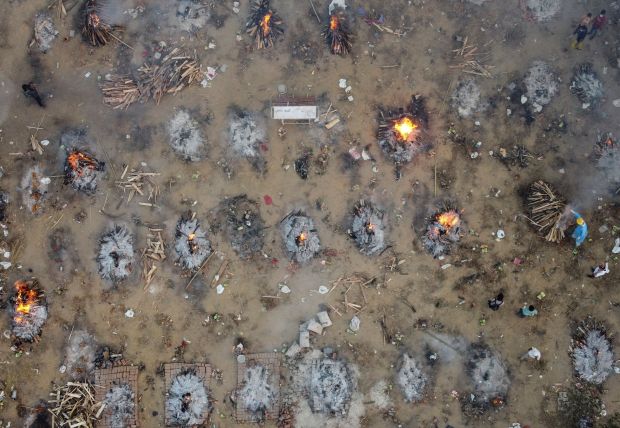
column 264, row 24
column 96, row 31
column 442, row 231
column 547, row 211
column 401, row 133
column 82, row 170
column 300, row 237
column 367, row 228
column 337, row 34
column 28, row 311
column 191, row 243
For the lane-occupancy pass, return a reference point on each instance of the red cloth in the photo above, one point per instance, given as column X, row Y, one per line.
column 599, row 22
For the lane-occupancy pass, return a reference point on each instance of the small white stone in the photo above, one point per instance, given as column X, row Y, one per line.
column 130, row 313
column 285, row 289
column 44, row 142
column 348, row 89
column 342, row 83
column 350, row 98
column 219, row 289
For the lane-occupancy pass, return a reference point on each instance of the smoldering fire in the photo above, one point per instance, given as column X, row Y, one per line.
column 83, row 170
column 29, row 311
column 95, row 30
column 442, row 231
column 300, row 237
column 367, row 228
column 191, row 243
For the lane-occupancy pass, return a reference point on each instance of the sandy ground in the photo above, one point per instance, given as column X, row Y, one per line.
column 449, row 300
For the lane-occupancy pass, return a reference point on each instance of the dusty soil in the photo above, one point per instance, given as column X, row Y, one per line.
column 412, row 296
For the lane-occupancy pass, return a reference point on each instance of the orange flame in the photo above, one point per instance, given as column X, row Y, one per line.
column 448, row 219
column 405, row 128
column 301, row 238
column 26, row 297
column 334, row 23
column 370, row 227
column 78, row 159
column 191, row 236
column 94, row 20
column 264, row 23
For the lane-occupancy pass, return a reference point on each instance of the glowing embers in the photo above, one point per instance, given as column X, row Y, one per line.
column 442, row 231
column 402, row 132
column 34, row 189
column 28, row 311
column 337, row 34
column 300, row 237
column 82, row 171
column 264, row 24
column 367, row 228
column 191, row 243
column 116, row 254
column 95, row 30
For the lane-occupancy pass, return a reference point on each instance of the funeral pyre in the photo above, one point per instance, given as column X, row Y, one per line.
column 331, row 385
column 264, row 24
column 190, row 242
column 401, row 133
column 244, row 226
column 34, row 189
column 586, row 85
column 83, row 170
column 28, row 311
column 74, row 405
column 592, row 352
column 173, row 73
column 301, row 239
column 443, row 230
column 547, row 211
column 116, row 254
column 367, row 228
column 96, row 30
column 337, row 33
column 257, row 394
column 187, row 400
column 489, row 379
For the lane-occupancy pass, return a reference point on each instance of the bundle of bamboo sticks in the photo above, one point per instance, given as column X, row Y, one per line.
column 546, row 208
column 74, row 406
column 136, row 182
column 175, row 72
column 154, row 253
column 472, row 62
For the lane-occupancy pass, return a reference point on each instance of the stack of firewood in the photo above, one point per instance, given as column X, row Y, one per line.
column 73, row 405
column 546, row 208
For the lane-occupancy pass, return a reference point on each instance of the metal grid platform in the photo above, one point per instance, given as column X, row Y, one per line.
column 271, row 361
column 105, row 379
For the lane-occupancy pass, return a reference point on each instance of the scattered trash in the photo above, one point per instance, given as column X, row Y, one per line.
column 129, row 313
column 219, row 289
column 354, row 324
column 500, row 234
column 323, row 289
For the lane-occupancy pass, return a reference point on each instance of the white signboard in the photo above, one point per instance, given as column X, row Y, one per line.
column 294, row 112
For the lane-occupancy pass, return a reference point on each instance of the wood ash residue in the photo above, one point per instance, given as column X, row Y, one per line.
column 592, row 352
column 119, row 402
column 244, row 225
column 411, row 379
column 489, row 379
column 331, row 386
column 28, row 310
column 186, row 138
column 82, row 170
column 586, row 85
column 187, row 400
column 116, row 254
column 367, row 228
column 191, row 243
column 257, row 393
column 80, row 354
column 246, row 134
column 300, row 237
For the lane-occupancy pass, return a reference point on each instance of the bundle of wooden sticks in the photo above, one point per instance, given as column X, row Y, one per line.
column 546, row 209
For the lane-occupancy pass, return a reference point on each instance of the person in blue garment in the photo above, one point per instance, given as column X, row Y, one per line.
column 581, row 230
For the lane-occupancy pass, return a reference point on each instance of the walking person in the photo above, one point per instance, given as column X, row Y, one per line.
column 496, row 302
column 581, row 31
column 598, row 24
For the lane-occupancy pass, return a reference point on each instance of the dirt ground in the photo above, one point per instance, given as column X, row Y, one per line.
column 411, row 294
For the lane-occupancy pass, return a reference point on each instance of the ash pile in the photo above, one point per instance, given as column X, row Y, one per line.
column 191, row 15
column 547, row 211
column 412, row 379
column 402, row 133
column 264, row 24
column 258, row 392
column 83, row 171
column 190, row 242
column 187, row 400
column 244, row 226
column 489, row 378
column 586, row 85
column 44, row 31
column 246, row 134
column 34, row 189
column 28, row 311
column 4, row 205
column 541, row 10
column 120, row 405
column 80, row 356
column 331, row 385
column 606, row 157
column 367, row 228
column 466, row 98
column 116, row 254
column 301, row 239
column 592, row 352
column 541, row 85
column 443, row 230
column 185, row 137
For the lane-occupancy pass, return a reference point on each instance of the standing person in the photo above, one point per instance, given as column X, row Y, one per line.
column 496, row 302
column 581, row 230
column 598, row 24
column 532, row 354
column 580, row 34
column 528, row 311
column 586, row 19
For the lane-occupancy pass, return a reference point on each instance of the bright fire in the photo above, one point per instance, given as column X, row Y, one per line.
column 94, row 20
column 448, row 219
column 370, row 227
column 333, row 22
column 404, row 127
column 191, row 236
column 264, row 23
column 301, row 238
column 78, row 160
column 26, row 297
